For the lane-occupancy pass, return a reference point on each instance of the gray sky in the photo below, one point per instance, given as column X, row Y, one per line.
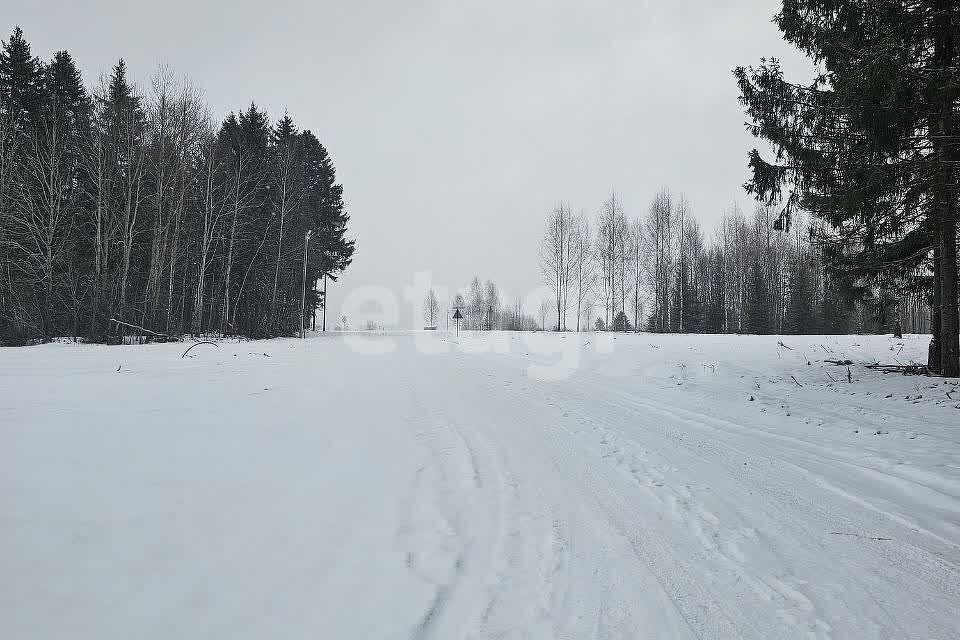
column 457, row 126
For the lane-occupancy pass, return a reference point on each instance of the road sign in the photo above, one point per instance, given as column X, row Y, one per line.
column 456, row 316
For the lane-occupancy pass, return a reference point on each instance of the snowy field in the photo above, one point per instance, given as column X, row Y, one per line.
column 491, row 486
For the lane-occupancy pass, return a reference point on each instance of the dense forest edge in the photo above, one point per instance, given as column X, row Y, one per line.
column 130, row 214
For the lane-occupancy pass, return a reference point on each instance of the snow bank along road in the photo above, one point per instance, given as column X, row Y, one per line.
column 644, row 487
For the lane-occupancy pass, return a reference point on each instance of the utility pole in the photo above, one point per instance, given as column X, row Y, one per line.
column 303, row 295
column 324, row 324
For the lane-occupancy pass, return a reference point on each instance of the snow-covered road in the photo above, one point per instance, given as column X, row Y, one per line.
column 487, row 486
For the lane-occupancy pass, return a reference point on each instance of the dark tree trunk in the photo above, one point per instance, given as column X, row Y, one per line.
column 949, row 325
column 944, row 94
column 933, row 353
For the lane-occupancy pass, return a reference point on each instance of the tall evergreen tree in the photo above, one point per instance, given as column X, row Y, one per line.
column 872, row 144
column 244, row 140
column 21, row 85
column 332, row 250
column 124, row 128
column 288, row 189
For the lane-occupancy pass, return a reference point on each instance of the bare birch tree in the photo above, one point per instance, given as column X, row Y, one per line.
column 583, row 265
column 556, row 250
column 431, row 307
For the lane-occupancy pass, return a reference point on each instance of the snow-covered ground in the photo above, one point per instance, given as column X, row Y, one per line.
column 488, row 486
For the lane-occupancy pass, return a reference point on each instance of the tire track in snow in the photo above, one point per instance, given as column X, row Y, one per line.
column 469, row 494
column 909, row 559
column 773, row 457
column 651, row 500
column 677, row 501
column 605, row 519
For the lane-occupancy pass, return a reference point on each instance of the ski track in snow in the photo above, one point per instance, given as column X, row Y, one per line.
column 671, row 487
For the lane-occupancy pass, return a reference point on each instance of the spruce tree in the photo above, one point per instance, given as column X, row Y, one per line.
column 243, row 140
column 331, row 250
column 21, row 86
column 20, row 92
column 621, row 322
column 871, row 145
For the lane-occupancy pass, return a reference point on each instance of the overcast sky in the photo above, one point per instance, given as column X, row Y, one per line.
column 457, row 126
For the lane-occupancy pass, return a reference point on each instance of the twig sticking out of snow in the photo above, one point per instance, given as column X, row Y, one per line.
column 197, row 344
column 784, row 346
column 797, row 381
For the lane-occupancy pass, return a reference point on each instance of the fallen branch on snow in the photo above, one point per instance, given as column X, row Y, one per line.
column 857, row 535
column 162, row 336
column 905, row 369
column 913, row 369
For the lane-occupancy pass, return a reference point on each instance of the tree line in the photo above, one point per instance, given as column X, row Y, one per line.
column 482, row 307
column 857, row 218
column 127, row 211
column 660, row 272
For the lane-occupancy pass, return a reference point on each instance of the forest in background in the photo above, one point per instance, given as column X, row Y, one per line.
column 134, row 213
column 858, row 195
column 660, row 272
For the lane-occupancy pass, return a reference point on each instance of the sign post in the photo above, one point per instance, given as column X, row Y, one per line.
column 456, row 316
column 303, row 295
